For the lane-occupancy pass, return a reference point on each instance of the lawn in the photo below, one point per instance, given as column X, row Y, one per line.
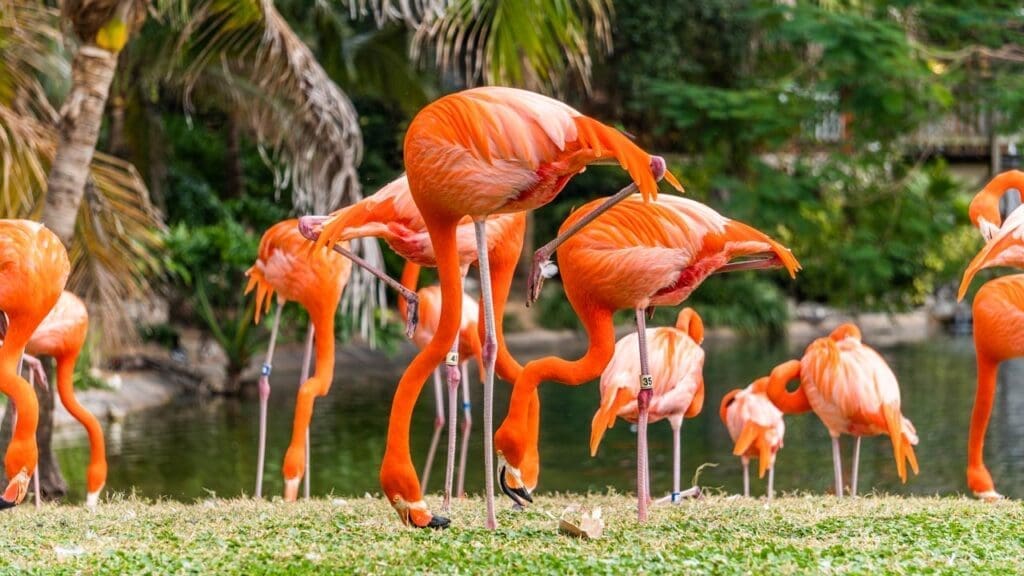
column 795, row 534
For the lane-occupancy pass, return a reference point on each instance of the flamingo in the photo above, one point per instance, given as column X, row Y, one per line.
column 997, row 336
column 477, row 153
column 34, row 267
column 851, row 388
column 392, row 214
column 756, row 427
column 638, row 255
column 62, row 336
column 469, row 349
column 676, row 365
column 316, row 284
column 984, row 208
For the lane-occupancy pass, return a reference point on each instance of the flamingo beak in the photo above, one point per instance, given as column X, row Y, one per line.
column 16, row 491
column 417, row 515
column 511, row 482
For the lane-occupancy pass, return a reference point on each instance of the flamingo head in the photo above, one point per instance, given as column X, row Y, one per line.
column 16, row 490
column 511, row 481
column 844, row 331
column 417, row 514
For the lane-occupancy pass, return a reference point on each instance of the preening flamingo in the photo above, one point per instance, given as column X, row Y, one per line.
column 756, row 427
column 676, row 363
column 851, row 388
column 62, row 336
column 392, row 214
column 34, row 267
column 636, row 256
column 285, row 266
column 984, row 208
column 478, row 153
column 469, row 349
column 998, row 334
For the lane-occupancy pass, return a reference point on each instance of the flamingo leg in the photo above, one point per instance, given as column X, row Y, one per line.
column 454, row 377
column 677, row 457
column 771, row 482
column 979, row 479
column 467, row 425
column 410, row 297
column 438, row 425
column 35, row 474
column 306, row 361
column 837, row 464
column 264, row 390
column 643, row 401
column 856, row 466
column 746, row 477
column 489, row 353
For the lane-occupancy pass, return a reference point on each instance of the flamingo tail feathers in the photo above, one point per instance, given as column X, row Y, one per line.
column 604, row 418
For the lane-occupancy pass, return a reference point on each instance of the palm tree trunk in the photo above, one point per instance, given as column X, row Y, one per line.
column 81, row 117
column 51, row 482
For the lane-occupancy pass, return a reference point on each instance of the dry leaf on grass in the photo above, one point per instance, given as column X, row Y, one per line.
column 590, row 526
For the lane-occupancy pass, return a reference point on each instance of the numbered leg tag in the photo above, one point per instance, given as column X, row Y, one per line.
column 265, row 370
column 646, row 382
column 452, row 359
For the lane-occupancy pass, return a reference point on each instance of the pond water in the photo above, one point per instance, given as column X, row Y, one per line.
column 192, row 449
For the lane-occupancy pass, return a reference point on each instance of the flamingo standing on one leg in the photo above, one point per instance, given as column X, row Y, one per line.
column 638, row 255
column 478, row 153
column 756, row 427
column 851, row 388
column 315, row 283
column 34, row 267
column 469, row 349
column 984, row 209
column 62, row 336
column 392, row 214
column 676, row 363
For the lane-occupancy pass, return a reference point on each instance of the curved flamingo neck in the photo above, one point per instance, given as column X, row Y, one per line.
column 986, row 203
column 788, row 402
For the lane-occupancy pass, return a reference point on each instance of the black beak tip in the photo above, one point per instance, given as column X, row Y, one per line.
column 520, row 496
column 4, row 504
column 438, row 523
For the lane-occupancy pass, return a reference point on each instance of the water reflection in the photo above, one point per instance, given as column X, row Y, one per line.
column 191, row 449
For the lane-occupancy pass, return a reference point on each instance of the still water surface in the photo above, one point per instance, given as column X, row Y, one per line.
column 193, row 449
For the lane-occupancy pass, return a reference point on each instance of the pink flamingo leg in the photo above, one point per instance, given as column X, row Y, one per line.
column 410, row 297
column 454, row 379
column 306, row 360
column 856, row 466
column 438, row 425
column 677, row 457
column 467, row 425
column 746, row 477
column 264, row 390
column 837, row 463
column 771, row 482
column 643, row 401
column 489, row 354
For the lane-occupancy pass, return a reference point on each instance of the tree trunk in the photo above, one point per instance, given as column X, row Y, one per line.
column 81, row 117
column 235, row 185
column 51, row 482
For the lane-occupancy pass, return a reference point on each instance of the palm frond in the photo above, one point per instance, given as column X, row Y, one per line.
column 412, row 12
column 304, row 120
column 532, row 44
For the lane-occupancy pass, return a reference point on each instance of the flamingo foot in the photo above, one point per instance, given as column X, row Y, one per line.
column 291, row 489
column 412, row 318
column 989, row 496
column 16, row 490
column 541, row 268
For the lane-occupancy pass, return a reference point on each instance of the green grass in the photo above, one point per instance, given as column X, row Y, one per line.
column 812, row 534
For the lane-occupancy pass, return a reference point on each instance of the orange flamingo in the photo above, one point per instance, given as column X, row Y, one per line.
column 478, row 153
column 756, row 427
column 34, row 267
column 984, row 208
column 676, row 363
column 851, row 388
column 316, row 284
column 997, row 336
column 638, row 255
column 469, row 349
column 62, row 336
column 392, row 214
